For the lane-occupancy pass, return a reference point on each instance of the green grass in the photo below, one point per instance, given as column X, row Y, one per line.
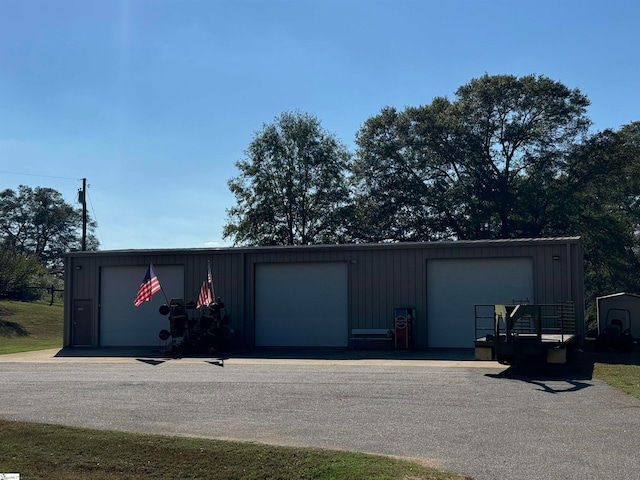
column 622, row 376
column 29, row 326
column 620, row 370
column 38, row 451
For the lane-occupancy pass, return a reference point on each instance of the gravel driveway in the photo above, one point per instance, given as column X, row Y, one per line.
column 459, row 415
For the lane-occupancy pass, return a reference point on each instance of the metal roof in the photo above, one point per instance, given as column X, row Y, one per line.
column 342, row 246
column 616, row 295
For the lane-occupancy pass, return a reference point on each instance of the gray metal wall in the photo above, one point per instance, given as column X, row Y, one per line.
column 381, row 276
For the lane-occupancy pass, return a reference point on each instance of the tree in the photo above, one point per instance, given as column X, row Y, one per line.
column 462, row 169
column 409, row 184
column 39, row 222
column 19, row 271
column 601, row 203
column 293, row 186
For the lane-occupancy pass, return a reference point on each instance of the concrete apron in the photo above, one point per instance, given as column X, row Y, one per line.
column 462, row 358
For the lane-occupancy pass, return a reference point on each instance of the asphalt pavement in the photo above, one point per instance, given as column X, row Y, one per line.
column 475, row 418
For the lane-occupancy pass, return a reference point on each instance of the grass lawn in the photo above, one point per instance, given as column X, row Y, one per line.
column 56, row 452
column 620, row 370
column 29, row 326
column 626, row 377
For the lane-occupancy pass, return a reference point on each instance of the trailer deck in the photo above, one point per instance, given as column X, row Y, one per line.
column 525, row 333
column 555, row 338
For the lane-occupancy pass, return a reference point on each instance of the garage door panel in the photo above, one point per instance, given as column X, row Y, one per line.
column 455, row 286
column 301, row 304
column 123, row 324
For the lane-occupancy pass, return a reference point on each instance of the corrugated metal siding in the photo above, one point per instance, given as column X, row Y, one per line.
column 384, row 280
column 381, row 277
column 84, row 282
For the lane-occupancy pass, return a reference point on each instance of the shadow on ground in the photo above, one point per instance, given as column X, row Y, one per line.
column 12, row 329
column 579, row 368
column 460, row 354
column 571, row 377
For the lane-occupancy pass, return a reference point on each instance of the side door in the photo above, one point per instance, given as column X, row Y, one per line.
column 82, row 324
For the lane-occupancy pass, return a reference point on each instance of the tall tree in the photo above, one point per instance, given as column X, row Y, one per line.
column 458, row 169
column 38, row 221
column 601, row 203
column 525, row 126
column 293, row 186
column 412, row 171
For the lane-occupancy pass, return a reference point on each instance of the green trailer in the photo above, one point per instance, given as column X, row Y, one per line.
column 523, row 334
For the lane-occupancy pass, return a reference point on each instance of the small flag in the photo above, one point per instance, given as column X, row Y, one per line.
column 148, row 287
column 205, row 295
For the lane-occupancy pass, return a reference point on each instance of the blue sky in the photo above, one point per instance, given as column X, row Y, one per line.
column 154, row 100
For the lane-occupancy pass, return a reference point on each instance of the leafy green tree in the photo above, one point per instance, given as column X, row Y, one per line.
column 525, row 127
column 293, row 187
column 38, row 221
column 413, row 176
column 601, row 203
column 466, row 169
column 19, row 271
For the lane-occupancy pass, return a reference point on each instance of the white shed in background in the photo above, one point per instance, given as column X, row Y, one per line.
column 622, row 306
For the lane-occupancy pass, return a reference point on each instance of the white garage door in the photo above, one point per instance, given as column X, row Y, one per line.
column 123, row 324
column 454, row 286
column 302, row 304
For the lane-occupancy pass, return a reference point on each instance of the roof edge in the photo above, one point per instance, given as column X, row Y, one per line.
column 619, row 294
column 341, row 246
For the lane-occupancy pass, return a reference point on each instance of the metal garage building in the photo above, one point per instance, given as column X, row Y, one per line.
column 321, row 295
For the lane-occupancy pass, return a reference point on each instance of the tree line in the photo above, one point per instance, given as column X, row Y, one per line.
column 36, row 227
column 507, row 157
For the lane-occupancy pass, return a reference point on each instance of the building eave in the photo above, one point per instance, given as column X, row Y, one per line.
column 332, row 247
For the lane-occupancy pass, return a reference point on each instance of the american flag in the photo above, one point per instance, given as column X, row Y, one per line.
column 205, row 295
column 206, row 291
column 148, row 287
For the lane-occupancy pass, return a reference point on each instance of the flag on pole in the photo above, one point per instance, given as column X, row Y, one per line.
column 148, row 287
column 205, row 295
column 210, row 281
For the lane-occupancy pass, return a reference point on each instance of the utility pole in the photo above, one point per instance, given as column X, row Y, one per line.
column 82, row 198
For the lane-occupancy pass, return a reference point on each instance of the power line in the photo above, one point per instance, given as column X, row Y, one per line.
column 64, row 178
column 95, row 218
column 38, row 175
